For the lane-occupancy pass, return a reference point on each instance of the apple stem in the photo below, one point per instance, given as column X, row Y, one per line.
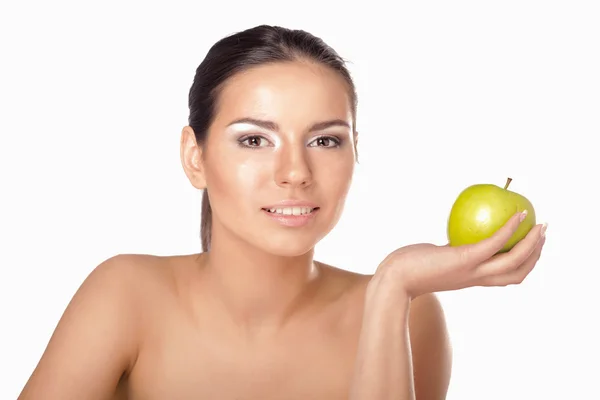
column 507, row 183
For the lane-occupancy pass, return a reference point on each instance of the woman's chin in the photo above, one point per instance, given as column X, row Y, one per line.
column 288, row 248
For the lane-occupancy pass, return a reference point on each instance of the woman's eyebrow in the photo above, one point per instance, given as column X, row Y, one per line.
column 270, row 125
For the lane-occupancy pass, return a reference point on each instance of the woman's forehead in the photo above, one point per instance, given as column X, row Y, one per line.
column 285, row 92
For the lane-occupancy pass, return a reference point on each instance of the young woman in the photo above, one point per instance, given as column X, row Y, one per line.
column 272, row 142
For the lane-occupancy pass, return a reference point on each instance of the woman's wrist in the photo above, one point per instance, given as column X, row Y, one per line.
column 386, row 286
column 386, row 306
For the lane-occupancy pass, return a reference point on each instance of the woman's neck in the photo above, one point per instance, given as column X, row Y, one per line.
column 258, row 290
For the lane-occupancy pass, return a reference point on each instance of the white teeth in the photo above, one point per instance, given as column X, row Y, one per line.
column 291, row 210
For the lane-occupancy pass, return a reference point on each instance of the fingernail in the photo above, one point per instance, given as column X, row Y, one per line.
column 543, row 230
column 523, row 216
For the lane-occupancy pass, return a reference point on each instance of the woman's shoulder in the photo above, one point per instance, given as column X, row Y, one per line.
column 141, row 269
column 133, row 281
column 130, row 271
column 344, row 282
column 97, row 337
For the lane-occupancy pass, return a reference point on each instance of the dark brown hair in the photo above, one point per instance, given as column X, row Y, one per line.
column 256, row 46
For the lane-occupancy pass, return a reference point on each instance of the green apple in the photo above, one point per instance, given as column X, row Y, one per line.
column 480, row 210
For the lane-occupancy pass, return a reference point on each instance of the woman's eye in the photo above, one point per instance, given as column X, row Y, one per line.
column 325, row 141
column 254, row 141
column 259, row 141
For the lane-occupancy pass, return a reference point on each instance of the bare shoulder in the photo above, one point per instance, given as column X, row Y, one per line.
column 341, row 276
column 124, row 271
column 139, row 271
column 127, row 279
column 431, row 347
column 345, row 282
column 96, row 340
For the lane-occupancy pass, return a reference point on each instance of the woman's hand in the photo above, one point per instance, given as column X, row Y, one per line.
column 425, row 268
column 384, row 368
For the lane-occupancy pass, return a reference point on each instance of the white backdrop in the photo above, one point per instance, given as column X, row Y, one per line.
column 93, row 99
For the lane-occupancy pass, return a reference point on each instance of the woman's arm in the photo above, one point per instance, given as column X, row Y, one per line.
column 404, row 349
column 94, row 342
column 384, row 367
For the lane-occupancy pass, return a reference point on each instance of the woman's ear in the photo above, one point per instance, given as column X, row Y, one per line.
column 191, row 158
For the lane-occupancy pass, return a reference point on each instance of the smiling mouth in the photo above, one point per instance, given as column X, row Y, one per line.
column 291, row 211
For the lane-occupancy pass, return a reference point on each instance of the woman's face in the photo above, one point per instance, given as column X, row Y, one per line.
column 279, row 157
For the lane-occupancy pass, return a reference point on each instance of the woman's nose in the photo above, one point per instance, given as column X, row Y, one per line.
column 293, row 169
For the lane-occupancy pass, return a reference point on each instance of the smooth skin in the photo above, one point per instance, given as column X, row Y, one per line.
column 257, row 317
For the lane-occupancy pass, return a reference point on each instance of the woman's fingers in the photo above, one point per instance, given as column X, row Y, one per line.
column 517, row 275
column 505, row 262
column 475, row 254
column 426, row 267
